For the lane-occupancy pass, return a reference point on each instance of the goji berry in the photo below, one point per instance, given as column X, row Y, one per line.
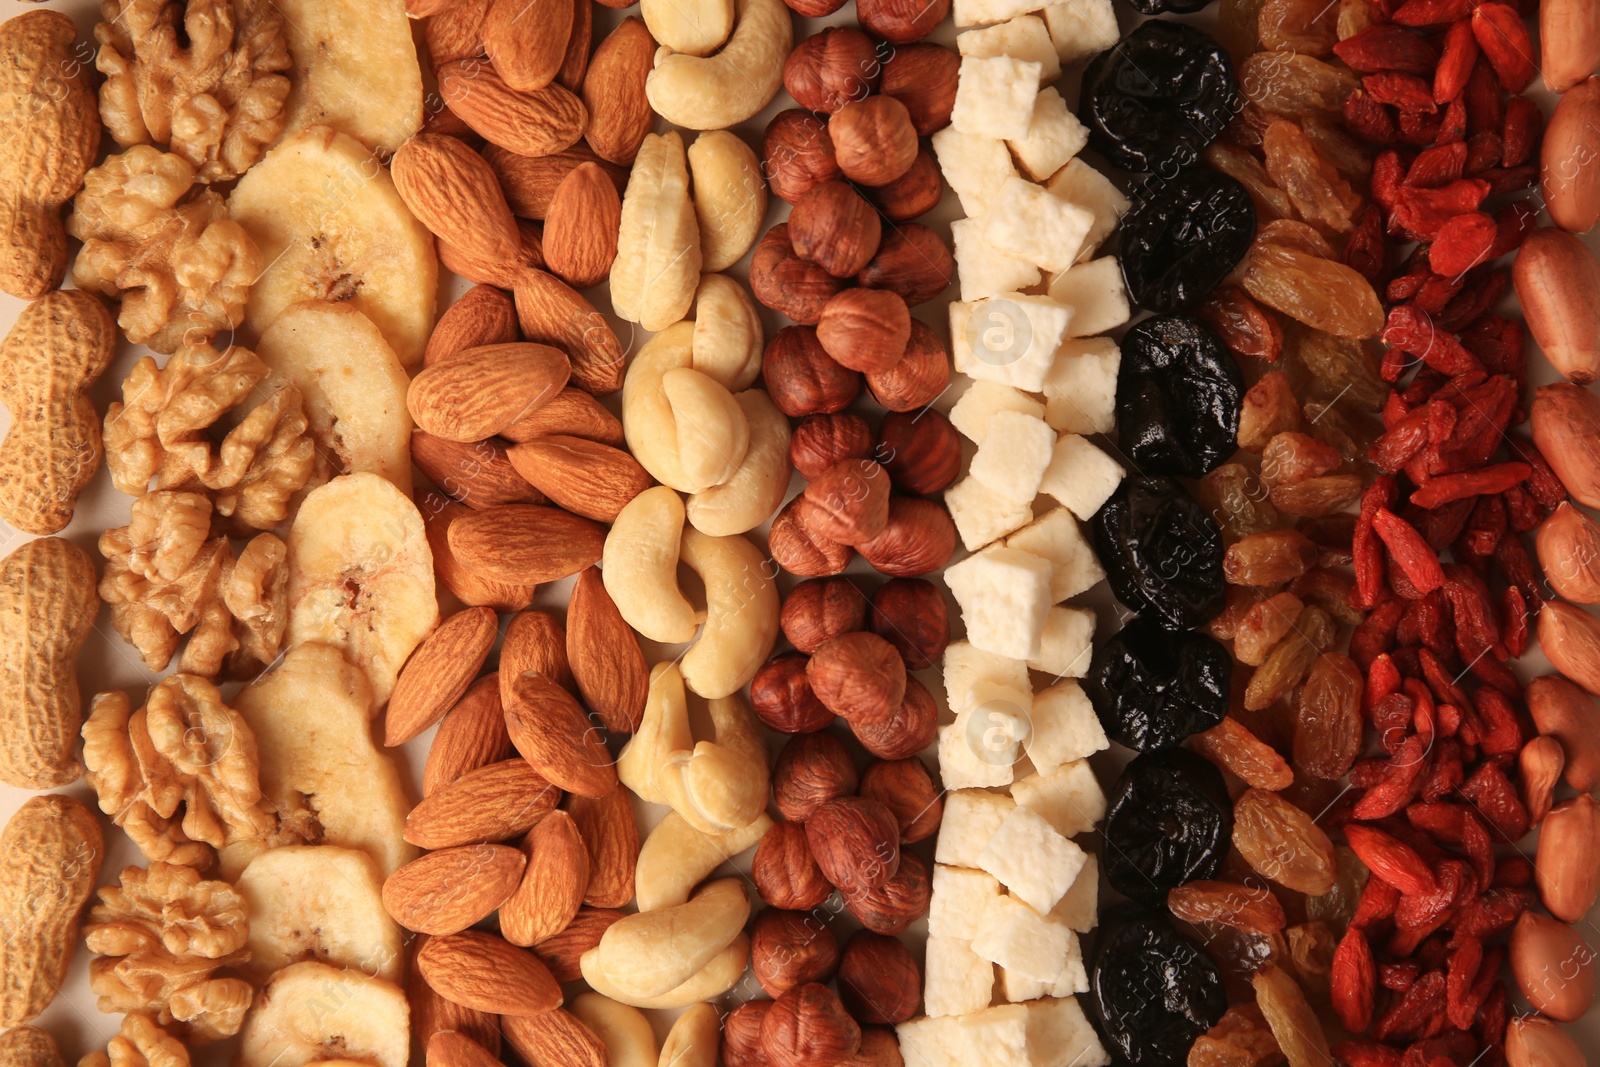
column 1375, row 905
column 1449, row 721
column 1420, row 914
column 1496, row 798
column 1504, row 39
column 1390, row 860
column 1491, row 1025
column 1375, row 635
column 1512, row 556
column 1542, row 484
column 1499, row 343
column 1436, row 166
column 1460, row 974
column 1406, row 92
column 1459, row 53
column 1484, row 149
column 1453, row 126
column 1421, row 212
column 1520, row 136
column 1502, row 733
column 1462, row 243
column 1481, row 482
column 1353, row 980
column 1475, row 842
column 1420, row 128
column 1398, row 787
column 1514, row 609
column 1399, row 976
column 1510, row 179
column 1514, row 872
column 1368, row 1054
column 1382, row 47
column 1484, row 99
column 1410, row 330
column 1522, row 511
column 1482, row 292
column 1440, row 682
column 1425, row 13
column 1408, row 550
column 1388, row 172
column 1365, row 251
column 1437, row 291
column 1492, row 912
column 1368, row 119
column 1419, row 1004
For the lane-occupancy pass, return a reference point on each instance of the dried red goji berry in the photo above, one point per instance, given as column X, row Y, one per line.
column 1421, row 1003
column 1482, row 292
column 1514, row 609
column 1492, row 912
column 1514, row 872
column 1375, row 905
column 1421, row 128
column 1400, row 975
column 1440, row 820
column 1459, row 53
column 1482, row 482
column 1478, row 846
column 1424, row 13
column 1399, row 784
column 1388, row 172
column 1504, row 38
column 1520, row 135
column 1382, row 47
column 1542, row 483
column 1368, row 119
column 1512, row 556
column 1375, row 635
column 1502, row 733
column 1510, row 179
column 1368, row 1054
column 1365, row 251
column 1409, row 551
column 1353, row 980
column 1453, row 126
column 1460, row 973
column 1407, row 92
column 1491, row 1024
column 1390, row 859
column 1462, row 243
column 1421, row 212
column 1496, row 798
column 1484, row 99
column 1483, row 152
column 1437, row 291
column 1446, row 773
column 1436, row 166
column 1410, row 330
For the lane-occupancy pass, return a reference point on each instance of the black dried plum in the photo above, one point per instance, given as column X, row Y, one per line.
column 1152, row 688
column 1158, row 98
column 1179, row 393
column 1152, row 990
column 1168, row 821
column 1183, row 236
column 1169, row 7
column 1162, row 552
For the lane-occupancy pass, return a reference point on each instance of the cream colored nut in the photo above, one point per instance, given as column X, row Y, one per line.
column 653, row 952
column 681, row 425
column 725, row 89
column 693, row 27
column 693, row 1039
column 676, row 857
column 756, row 490
column 710, row 982
column 639, row 565
column 629, row 1039
column 730, row 197
column 741, row 613
column 657, row 268
column 728, row 336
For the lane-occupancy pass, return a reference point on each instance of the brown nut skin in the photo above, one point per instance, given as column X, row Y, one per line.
column 1568, row 545
column 893, row 907
column 880, row 1048
column 919, row 539
column 808, row 1027
column 874, row 141
column 1567, row 865
column 879, row 980
column 820, row 441
column 784, row 871
column 829, row 69
column 914, row 726
column 858, row 676
column 923, row 77
column 919, row 378
column 856, row 843
column 820, row 608
column 811, row 770
column 741, row 1035
column 781, row 696
column 902, row 21
column 1552, row 965
column 833, row 227
column 913, row 261
column 1565, row 712
column 800, row 550
column 913, row 616
column 915, row 193
column 802, row 378
column 784, row 282
column 1531, row 1042
column 906, row 787
column 796, row 153
column 789, row 949
column 1539, row 767
column 848, row 502
column 865, row 329
column 813, row 9
column 921, row 451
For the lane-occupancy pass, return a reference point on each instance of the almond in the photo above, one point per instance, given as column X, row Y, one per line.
column 1558, row 282
column 472, row 735
column 604, row 653
column 1567, row 174
column 454, row 193
column 469, row 586
column 535, row 641
column 583, row 476
column 438, row 673
column 552, row 312
column 1568, row 544
column 580, row 231
column 459, row 34
column 614, row 92
column 483, row 315
column 563, row 952
column 612, row 838
column 447, row 891
column 579, row 45
column 525, row 542
column 553, row 882
column 492, row 803
column 530, row 182
column 498, row 272
column 450, row 1049
column 555, row 1039
column 477, row 473
column 1566, row 427
column 554, row 735
column 1567, row 866
column 488, row 973
column 478, row 391
column 1570, row 638
column 573, row 413
column 432, row 1014
column 527, row 40
column 530, row 123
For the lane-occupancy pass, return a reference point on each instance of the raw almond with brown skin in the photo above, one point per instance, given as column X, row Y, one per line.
column 527, row 40
column 613, row 90
column 587, row 478
column 563, row 952
column 535, row 641
column 1566, row 427
column 573, row 413
column 492, row 803
column 432, row 1014
column 580, row 230
column 530, row 182
column 450, row 1049
column 612, row 838
column 484, row 315
column 553, row 734
column 532, row 123
column 579, row 45
column 477, row 392
column 469, row 586
column 458, row 34
column 553, row 882
column 501, row 273
column 447, row 891
column 1558, row 282
column 606, row 659
column 526, row 542
column 555, row 1039
column 477, row 473
column 488, row 973
column 472, row 735
column 454, row 193
column 552, row 312
column 438, row 673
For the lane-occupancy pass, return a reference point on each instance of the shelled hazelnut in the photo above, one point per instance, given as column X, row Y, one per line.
column 786, row 283
column 800, row 550
column 907, row 789
column 808, row 1027
column 923, row 77
column 833, row 227
column 874, row 140
column 789, row 949
column 832, row 67
column 916, row 192
column 796, row 153
column 879, row 980
column 892, row 907
column 811, row 770
column 856, row 843
column 822, row 440
column 919, row 539
column 782, row 698
column 913, row 261
column 913, row 616
column 859, row 677
column 801, row 378
column 785, row 872
column 921, row 452
column 865, row 329
column 920, row 375
column 913, row 727
column 848, row 502
column 741, row 1035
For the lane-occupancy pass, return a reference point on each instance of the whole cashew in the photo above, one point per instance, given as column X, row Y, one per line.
column 741, row 613
column 725, row 89
column 693, row 1039
column 657, row 268
column 756, row 490
column 681, row 425
column 651, row 953
column 730, row 197
column 694, row 27
column 728, row 336
column 624, row 1030
column 708, row 983
column 639, row 566
column 676, row 857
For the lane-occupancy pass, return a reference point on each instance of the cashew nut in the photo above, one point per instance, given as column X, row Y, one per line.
column 728, row 336
column 725, row 89
column 676, row 857
column 693, row 1039
column 711, row 981
column 694, row 27
column 757, row 488
column 730, row 199
column 624, row 1030
column 651, row 953
column 657, row 268
column 741, row 613
column 639, row 566
column 681, row 425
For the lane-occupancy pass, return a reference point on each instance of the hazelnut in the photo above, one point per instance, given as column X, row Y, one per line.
column 799, row 549
column 808, row 1027
column 820, row 608
column 813, row 9
column 922, row 452
column 797, row 153
column 741, row 1035
column 849, row 502
column 913, row 616
column 784, row 871
column 905, row 787
column 916, row 192
column 856, row 843
column 879, row 981
column 781, row 696
column 865, row 329
column 873, row 139
column 786, row 283
column 801, row 378
column 912, row 261
column 919, row 378
column 892, row 907
column 789, row 949
column 913, row 727
column 879, row 1048
column 834, row 228
column 923, row 77
column 829, row 69
column 820, row 441
column 811, row 770
column 919, row 539
column 859, row 677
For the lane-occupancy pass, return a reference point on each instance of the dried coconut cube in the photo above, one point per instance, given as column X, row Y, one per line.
column 1081, row 184
column 1057, row 538
column 1074, row 977
column 969, row 671
column 971, row 818
column 1080, row 28
column 1069, row 798
column 1080, row 476
column 1059, row 1035
column 1081, row 389
column 974, row 165
column 1031, row 860
column 985, row 12
column 982, row 515
column 1009, row 338
column 984, row 270
column 1079, row 909
column 994, row 96
column 963, row 764
column 1031, row 223
column 1015, row 988
column 1014, row 936
column 956, row 980
column 993, row 1037
column 1054, row 137
column 1024, row 37
column 1065, row 727
column 1004, row 596
column 1014, row 454
column 959, row 897
column 1067, row 644
column 931, row 1041
column 1096, row 294
column 983, row 401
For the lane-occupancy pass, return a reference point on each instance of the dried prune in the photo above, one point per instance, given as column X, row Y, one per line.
column 1184, row 236
column 1168, row 822
column 1169, row 7
column 1153, row 990
column 1162, row 552
column 1160, row 96
column 1152, row 688
column 1179, row 392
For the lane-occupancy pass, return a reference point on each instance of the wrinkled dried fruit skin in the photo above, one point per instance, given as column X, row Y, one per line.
column 1168, row 822
column 1231, row 746
column 1184, row 236
column 1281, row 843
column 1178, row 397
column 1291, row 1018
column 1238, row 499
column 1151, row 688
column 1241, row 1039
column 1153, row 990
column 1328, row 724
column 1162, row 551
column 1250, row 908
